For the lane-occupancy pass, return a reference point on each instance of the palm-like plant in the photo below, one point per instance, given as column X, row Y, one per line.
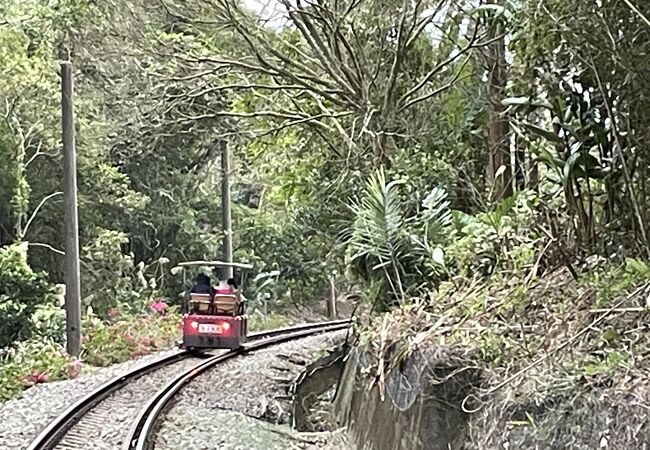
column 384, row 244
column 377, row 238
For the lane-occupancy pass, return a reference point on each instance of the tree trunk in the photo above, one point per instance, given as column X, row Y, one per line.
column 521, row 174
column 532, row 180
column 498, row 123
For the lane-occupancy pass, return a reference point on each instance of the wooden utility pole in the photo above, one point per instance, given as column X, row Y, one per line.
column 72, row 284
column 226, row 217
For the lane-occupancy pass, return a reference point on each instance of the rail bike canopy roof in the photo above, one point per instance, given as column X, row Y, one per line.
column 216, row 264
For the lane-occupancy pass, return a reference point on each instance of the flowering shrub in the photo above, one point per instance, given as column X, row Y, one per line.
column 32, row 362
column 34, row 378
column 159, row 306
column 123, row 336
column 131, row 336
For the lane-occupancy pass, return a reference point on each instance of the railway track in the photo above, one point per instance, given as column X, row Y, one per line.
column 116, row 406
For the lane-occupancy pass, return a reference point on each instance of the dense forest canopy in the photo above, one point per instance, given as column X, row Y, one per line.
column 386, row 145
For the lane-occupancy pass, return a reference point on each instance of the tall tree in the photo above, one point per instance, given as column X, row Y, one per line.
column 498, row 126
column 351, row 69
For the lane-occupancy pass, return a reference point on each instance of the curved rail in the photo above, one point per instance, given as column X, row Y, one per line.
column 142, row 429
column 52, row 433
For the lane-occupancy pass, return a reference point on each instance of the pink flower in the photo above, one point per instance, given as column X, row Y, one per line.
column 35, row 378
column 159, row 306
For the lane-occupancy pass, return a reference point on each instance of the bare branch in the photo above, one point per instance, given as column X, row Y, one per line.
column 337, row 40
column 420, row 27
column 33, row 216
column 637, row 12
column 440, row 67
column 346, row 137
column 397, row 59
column 237, row 87
column 36, row 154
column 183, row 19
column 47, row 246
column 311, row 35
column 439, row 90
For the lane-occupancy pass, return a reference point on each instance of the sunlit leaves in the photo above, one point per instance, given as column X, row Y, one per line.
column 21, row 291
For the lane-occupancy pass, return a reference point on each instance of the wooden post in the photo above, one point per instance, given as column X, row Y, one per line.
column 331, row 301
column 226, row 217
column 72, row 284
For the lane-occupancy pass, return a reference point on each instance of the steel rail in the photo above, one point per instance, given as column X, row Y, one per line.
column 53, row 432
column 142, row 429
column 57, row 427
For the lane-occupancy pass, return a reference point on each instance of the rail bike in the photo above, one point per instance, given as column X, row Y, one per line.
column 215, row 320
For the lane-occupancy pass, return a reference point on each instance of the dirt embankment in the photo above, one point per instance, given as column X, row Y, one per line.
column 553, row 364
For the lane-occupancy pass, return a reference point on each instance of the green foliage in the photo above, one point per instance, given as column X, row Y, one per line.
column 148, row 188
column 581, row 102
column 503, row 238
column 128, row 336
column 33, row 361
column 614, row 280
column 286, row 242
column 156, row 91
column 23, row 293
column 108, row 268
column 491, row 348
column 386, row 245
column 26, row 127
column 258, row 321
column 606, row 364
column 580, row 145
column 378, row 237
column 48, row 322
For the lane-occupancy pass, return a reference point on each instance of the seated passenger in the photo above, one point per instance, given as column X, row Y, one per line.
column 224, row 288
column 233, row 286
column 242, row 299
column 202, row 285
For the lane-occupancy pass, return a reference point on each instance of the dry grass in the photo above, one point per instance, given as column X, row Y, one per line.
column 558, row 366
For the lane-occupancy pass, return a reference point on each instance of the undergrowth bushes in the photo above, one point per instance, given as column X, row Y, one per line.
column 258, row 321
column 125, row 336
column 411, row 252
column 31, row 362
column 128, row 336
column 22, row 292
column 500, row 239
column 610, row 280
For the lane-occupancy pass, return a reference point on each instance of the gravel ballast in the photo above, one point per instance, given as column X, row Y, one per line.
column 105, row 426
column 21, row 419
column 243, row 404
